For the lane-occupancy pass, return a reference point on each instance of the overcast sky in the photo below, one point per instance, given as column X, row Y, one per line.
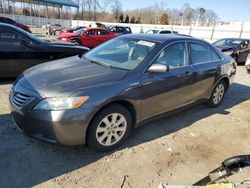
column 227, row 10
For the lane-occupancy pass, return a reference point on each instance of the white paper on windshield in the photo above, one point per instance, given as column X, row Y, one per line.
column 146, row 43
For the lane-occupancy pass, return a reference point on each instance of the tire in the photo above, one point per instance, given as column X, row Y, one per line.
column 218, row 94
column 76, row 42
column 236, row 58
column 103, row 134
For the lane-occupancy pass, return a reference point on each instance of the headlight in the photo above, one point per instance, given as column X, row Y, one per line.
column 228, row 53
column 60, row 103
column 64, row 39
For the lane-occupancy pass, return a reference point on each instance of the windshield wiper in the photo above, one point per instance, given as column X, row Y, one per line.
column 100, row 63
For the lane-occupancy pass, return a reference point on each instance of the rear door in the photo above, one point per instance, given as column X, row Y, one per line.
column 103, row 35
column 206, row 64
column 163, row 92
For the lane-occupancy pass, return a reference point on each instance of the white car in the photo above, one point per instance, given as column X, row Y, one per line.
column 161, row 31
column 247, row 65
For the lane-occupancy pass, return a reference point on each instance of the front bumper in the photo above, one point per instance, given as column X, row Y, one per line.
column 66, row 127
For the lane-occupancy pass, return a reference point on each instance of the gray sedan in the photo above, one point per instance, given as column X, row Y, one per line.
column 100, row 97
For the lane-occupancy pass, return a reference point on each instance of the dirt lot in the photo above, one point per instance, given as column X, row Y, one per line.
column 179, row 149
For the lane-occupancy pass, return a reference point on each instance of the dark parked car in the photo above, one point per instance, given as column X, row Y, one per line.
column 237, row 48
column 120, row 30
column 100, row 97
column 20, row 50
column 12, row 22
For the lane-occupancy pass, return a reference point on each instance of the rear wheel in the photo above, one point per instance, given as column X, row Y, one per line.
column 109, row 128
column 217, row 94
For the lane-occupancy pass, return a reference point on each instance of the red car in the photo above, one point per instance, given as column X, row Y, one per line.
column 89, row 37
column 12, row 22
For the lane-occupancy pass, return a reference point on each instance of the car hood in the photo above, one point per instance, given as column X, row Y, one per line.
column 225, row 48
column 68, row 35
column 66, row 44
column 65, row 76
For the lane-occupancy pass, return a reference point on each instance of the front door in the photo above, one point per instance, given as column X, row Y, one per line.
column 89, row 38
column 163, row 92
column 15, row 54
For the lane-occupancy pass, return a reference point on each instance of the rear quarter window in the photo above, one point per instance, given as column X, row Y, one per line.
column 202, row 53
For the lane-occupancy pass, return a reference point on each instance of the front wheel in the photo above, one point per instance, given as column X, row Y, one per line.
column 217, row 94
column 76, row 42
column 109, row 128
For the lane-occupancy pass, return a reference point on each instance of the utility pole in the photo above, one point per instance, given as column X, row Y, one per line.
column 242, row 28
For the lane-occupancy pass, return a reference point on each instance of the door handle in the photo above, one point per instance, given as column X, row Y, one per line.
column 188, row 74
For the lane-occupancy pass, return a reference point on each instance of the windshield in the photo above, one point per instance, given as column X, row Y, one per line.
column 228, row 42
column 80, row 31
column 123, row 53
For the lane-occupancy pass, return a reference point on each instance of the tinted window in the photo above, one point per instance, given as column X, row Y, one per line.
column 201, row 53
column 175, row 55
column 114, row 29
column 102, row 32
column 165, row 32
column 127, row 29
column 9, row 36
column 120, row 29
column 9, row 21
column 91, row 32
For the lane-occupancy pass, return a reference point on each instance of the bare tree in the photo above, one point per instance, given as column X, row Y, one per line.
column 116, row 8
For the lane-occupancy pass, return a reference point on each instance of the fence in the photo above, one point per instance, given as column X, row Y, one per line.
column 234, row 30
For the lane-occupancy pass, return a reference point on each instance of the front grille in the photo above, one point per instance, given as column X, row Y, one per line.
column 20, row 99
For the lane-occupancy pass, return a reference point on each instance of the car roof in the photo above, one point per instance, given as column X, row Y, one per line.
column 93, row 28
column 160, row 38
column 5, row 25
column 234, row 39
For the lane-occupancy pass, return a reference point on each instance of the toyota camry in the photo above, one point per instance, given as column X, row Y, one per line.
column 100, row 97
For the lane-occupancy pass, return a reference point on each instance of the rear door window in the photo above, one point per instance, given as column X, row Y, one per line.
column 9, row 21
column 165, row 32
column 102, row 32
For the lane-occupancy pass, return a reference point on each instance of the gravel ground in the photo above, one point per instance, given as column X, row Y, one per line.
column 178, row 149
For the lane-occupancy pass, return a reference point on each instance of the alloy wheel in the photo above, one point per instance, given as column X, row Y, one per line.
column 111, row 129
column 218, row 94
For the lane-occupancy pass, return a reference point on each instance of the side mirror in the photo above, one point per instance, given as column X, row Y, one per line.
column 158, row 68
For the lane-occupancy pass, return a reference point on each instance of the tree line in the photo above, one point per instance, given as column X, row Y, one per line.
column 112, row 11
